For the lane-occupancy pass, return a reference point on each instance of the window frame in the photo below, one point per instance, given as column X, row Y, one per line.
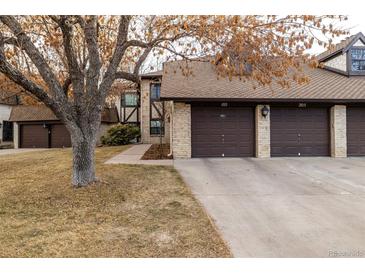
column 159, row 95
column 350, row 60
column 124, row 104
column 161, row 128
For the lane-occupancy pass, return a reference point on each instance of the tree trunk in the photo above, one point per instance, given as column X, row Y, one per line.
column 83, row 160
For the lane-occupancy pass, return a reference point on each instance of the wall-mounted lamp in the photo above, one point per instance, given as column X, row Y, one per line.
column 265, row 111
column 44, row 125
column 1, row 125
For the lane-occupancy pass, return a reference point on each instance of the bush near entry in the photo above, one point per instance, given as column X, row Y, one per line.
column 120, row 135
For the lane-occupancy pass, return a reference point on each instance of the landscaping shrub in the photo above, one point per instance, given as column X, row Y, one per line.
column 120, row 135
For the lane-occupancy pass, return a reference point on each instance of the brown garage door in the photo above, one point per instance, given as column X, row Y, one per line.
column 299, row 131
column 222, row 131
column 355, row 131
column 33, row 136
column 60, row 136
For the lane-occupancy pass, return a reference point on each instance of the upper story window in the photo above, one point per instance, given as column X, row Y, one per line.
column 155, row 91
column 358, row 59
column 130, row 100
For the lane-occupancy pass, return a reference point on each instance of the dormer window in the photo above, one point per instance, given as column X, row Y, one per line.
column 358, row 60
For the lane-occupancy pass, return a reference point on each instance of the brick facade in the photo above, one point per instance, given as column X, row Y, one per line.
column 146, row 137
column 262, row 127
column 181, row 132
column 338, row 131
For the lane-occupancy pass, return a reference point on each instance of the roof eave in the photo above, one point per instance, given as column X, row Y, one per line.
column 264, row 100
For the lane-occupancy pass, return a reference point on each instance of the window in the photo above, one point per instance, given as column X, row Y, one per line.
column 156, row 127
column 358, row 59
column 155, row 91
column 130, row 100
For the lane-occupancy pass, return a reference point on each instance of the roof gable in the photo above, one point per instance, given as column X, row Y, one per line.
column 358, row 37
column 341, row 47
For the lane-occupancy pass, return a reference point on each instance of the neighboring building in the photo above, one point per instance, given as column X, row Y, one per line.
column 7, row 100
column 38, row 127
column 221, row 118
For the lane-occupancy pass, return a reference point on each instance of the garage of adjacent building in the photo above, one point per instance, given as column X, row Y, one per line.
column 44, row 135
column 38, row 127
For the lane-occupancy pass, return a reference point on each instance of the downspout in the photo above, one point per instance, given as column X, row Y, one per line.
column 171, row 129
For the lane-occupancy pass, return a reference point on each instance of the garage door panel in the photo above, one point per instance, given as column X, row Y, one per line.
column 33, row 136
column 355, row 131
column 299, row 131
column 222, row 131
column 60, row 137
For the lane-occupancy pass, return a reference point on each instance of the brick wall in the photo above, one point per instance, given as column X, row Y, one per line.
column 146, row 137
column 181, row 138
column 338, row 131
column 262, row 127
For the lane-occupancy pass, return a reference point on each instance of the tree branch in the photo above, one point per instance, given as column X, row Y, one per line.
column 75, row 72
column 120, row 48
column 126, row 76
column 17, row 77
column 36, row 57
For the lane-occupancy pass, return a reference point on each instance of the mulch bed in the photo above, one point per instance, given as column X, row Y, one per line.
column 157, row 152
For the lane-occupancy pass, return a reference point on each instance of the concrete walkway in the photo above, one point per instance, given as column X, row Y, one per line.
column 133, row 155
column 19, row 150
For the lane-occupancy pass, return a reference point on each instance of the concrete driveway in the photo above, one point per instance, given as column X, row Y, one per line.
column 283, row 207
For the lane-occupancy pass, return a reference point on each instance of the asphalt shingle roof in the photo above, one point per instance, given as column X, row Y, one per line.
column 42, row 113
column 323, row 85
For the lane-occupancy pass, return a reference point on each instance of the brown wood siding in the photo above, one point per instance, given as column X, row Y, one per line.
column 299, row 131
column 355, row 131
column 33, row 136
column 60, row 137
column 222, row 131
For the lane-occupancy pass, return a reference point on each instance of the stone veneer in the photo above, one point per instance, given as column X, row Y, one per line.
column 262, row 127
column 338, row 131
column 181, row 132
column 338, row 62
column 16, row 134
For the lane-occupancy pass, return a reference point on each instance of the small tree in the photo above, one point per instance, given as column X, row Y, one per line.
column 71, row 62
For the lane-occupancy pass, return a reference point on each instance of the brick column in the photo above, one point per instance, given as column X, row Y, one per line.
column 145, row 111
column 181, row 132
column 262, row 125
column 16, row 134
column 338, row 131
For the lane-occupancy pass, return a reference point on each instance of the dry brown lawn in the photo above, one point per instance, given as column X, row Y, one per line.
column 140, row 211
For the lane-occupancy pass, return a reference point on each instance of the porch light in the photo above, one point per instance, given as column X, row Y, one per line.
column 44, row 125
column 1, row 125
column 265, row 111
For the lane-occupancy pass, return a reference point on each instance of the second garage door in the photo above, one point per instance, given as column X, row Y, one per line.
column 222, row 131
column 60, row 136
column 355, row 131
column 300, row 131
